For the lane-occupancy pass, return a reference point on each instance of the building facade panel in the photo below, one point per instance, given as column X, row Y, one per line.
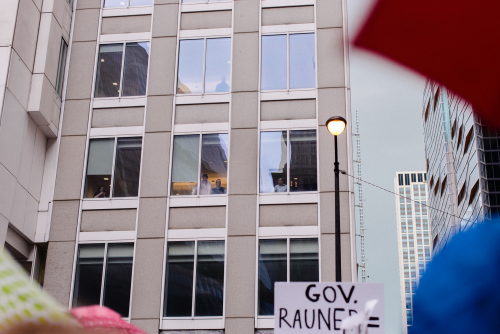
column 287, row 15
column 108, row 220
column 126, row 24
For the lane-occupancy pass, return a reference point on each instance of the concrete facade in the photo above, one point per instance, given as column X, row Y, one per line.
column 157, row 217
column 34, row 42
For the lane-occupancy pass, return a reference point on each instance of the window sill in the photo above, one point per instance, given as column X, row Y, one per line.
column 284, row 3
column 202, row 98
column 202, row 6
column 291, row 94
column 119, row 102
column 216, row 200
column 110, row 203
column 125, row 11
column 289, row 28
column 177, row 324
column 267, row 322
column 289, row 198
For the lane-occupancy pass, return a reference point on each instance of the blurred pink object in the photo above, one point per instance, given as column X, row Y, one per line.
column 103, row 320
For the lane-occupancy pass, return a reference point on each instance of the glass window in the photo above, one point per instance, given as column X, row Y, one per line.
column 125, row 175
column 421, row 268
column 208, row 296
column 407, row 180
column 410, row 226
column 424, row 208
column 412, row 255
column 404, row 241
column 420, row 178
column 409, row 318
column 117, row 276
column 400, row 181
column 408, row 301
column 425, row 224
column 418, row 223
column 298, row 164
column 413, row 284
column 112, row 80
column 420, row 254
column 125, row 3
column 406, row 271
column 403, row 227
column 419, row 238
column 427, row 253
column 410, row 240
column 288, row 61
column 413, row 271
column 204, row 66
column 273, row 257
column 405, row 255
column 61, row 67
column 426, row 237
column 407, row 286
column 205, row 160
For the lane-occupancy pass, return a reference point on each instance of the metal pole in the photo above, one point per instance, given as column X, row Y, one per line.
column 338, row 269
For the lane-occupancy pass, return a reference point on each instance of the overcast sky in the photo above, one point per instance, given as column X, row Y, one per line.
column 389, row 99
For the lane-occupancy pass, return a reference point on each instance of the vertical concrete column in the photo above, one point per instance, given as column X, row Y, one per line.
column 71, row 162
column 332, row 102
column 242, row 188
column 148, row 270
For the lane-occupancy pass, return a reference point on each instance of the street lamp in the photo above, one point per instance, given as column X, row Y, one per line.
column 336, row 125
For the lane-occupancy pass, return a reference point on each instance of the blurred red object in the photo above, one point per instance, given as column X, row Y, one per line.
column 103, row 320
column 454, row 43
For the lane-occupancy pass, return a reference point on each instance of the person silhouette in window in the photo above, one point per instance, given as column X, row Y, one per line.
column 205, row 185
column 281, row 186
column 218, row 189
column 222, row 86
column 100, row 193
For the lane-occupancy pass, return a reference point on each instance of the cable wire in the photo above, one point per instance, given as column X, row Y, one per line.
column 392, row 192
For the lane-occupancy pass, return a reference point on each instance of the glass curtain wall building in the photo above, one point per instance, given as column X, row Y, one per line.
column 414, row 246
column 195, row 168
column 462, row 164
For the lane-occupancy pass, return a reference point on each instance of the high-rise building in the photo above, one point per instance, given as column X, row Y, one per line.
column 414, row 247
column 34, row 37
column 463, row 165
column 195, row 168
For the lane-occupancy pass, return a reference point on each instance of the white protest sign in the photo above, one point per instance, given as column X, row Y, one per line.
column 312, row 307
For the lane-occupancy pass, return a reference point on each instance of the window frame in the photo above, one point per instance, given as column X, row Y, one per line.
column 195, row 266
column 127, row 6
column 176, row 93
column 280, row 237
column 288, row 33
column 288, row 152
column 61, row 66
column 200, row 143
column 112, row 180
column 104, row 270
column 124, row 44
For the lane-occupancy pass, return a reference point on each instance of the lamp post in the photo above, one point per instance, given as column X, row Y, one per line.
column 336, row 125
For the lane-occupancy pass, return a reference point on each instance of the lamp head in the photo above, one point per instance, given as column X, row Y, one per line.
column 336, row 125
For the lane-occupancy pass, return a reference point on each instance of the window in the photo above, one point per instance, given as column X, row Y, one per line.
column 297, row 163
column 199, row 267
column 403, row 227
column 473, row 192
column 409, row 317
column 400, row 181
column 122, row 69
column 61, row 67
column 417, row 208
column 461, row 194
column 413, row 177
column 412, row 255
column 404, row 240
column 468, row 139
column 114, row 262
column 408, row 301
column 424, row 208
column 459, row 139
column 419, row 238
column 407, row 286
column 420, row 178
column 407, row 270
column 274, row 257
column 113, row 167
column 413, row 282
column 408, row 210
column 125, row 3
column 420, row 268
column 402, row 210
column 420, row 254
column 401, row 195
column 426, row 237
column 204, row 66
column 418, row 223
column 410, row 240
column 408, row 195
column 288, row 61
column 405, row 255
column 202, row 160
column 407, row 179
column 425, row 224
column 443, row 185
column 410, row 226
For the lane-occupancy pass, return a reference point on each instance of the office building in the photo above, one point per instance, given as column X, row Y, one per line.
column 34, row 37
column 462, row 164
column 195, row 168
column 414, row 249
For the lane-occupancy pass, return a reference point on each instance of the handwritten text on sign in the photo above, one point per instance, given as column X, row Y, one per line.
column 320, row 307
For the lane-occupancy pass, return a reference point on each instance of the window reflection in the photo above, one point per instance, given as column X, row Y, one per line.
column 88, row 277
column 274, row 62
column 99, row 168
column 272, row 268
column 211, row 168
column 127, row 167
column 304, row 266
column 135, row 73
column 302, row 61
column 204, row 73
column 118, row 280
column 275, row 175
column 209, row 278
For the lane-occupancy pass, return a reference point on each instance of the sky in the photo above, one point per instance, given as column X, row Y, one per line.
column 389, row 100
